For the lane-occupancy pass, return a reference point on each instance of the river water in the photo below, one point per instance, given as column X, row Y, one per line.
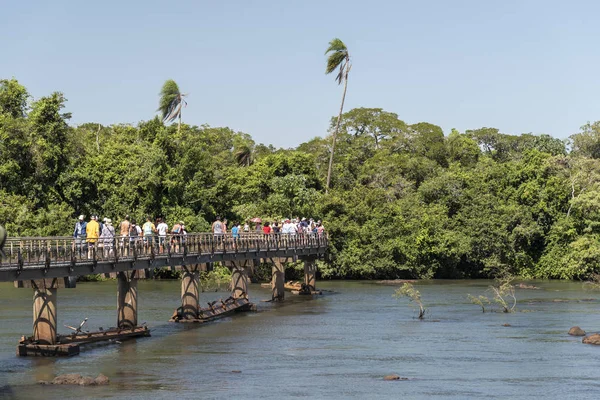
column 339, row 345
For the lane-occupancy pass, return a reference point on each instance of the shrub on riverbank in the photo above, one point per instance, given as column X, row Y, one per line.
column 92, row 278
column 215, row 280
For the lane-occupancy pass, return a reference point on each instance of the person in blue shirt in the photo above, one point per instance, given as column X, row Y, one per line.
column 235, row 233
column 79, row 234
column 235, row 230
column 80, row 226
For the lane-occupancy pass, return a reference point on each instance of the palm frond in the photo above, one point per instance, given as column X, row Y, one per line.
column 338, row 58
column 336, row 45
column 174, row 110
column 170, row 98
column 244, row 155
column 334, row 61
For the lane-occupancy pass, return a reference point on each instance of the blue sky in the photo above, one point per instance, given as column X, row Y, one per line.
column 258, row 66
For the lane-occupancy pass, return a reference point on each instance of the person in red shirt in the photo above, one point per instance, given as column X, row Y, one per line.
column 266, row 228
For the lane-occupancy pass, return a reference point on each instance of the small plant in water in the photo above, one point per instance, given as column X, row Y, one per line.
column 481, row 301
column 413, row 295
column 504, row 292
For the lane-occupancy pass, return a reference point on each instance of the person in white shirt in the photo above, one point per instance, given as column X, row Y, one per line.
column 288, row 227
column 162, row 228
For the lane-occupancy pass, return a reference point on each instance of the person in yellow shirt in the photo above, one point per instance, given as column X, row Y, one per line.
column 92, row 231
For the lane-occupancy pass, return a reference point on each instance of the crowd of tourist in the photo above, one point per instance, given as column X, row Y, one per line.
column 95, row 234
column 296, row 226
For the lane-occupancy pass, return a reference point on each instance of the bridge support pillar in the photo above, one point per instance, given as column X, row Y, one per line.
column 239, row 282
column 190, row 294
column 127, row 295
column 310, row 274
column 44, row 314
column 277, row 280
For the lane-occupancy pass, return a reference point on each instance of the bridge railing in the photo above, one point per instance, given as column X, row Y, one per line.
column 48, row 251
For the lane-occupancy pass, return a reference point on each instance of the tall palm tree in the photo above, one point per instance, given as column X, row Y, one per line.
column 171, row 102
column 339, row 59
column 244, row 155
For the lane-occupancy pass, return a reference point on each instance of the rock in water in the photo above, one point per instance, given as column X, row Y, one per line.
column 101, row 380
column 67, row 379
column 76, row 379
column 87, row 381
column 576, row 331
column 394, row 378
column 525, row 286
column 592, row 339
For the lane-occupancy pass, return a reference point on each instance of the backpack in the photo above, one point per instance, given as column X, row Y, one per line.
column 106, row 232
column 147, row 227
column 132, row 230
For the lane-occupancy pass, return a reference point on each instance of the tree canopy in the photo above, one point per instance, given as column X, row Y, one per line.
column 406, row 201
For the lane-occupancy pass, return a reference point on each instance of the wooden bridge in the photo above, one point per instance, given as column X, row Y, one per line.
column 46, row 264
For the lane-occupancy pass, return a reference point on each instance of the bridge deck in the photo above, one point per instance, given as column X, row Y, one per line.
column 55, row 257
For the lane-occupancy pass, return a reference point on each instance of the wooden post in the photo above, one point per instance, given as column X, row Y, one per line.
column 239, row 282
column 310, row 274
column 277, row 280
column 44, row 315
column 127, row 300
column 190, row 294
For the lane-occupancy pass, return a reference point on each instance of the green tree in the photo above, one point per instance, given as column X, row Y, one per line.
column 375, row 122
column 15, row 166
column 339, row 59
column 408, row 202
column 587, row 142
column 48, row 137
column 13, row 98
column 462, row 149
column 428, row 140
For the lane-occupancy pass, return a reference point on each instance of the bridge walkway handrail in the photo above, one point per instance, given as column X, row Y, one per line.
column 23, row 252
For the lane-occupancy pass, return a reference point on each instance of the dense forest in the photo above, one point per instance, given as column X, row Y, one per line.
column 405, row 200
